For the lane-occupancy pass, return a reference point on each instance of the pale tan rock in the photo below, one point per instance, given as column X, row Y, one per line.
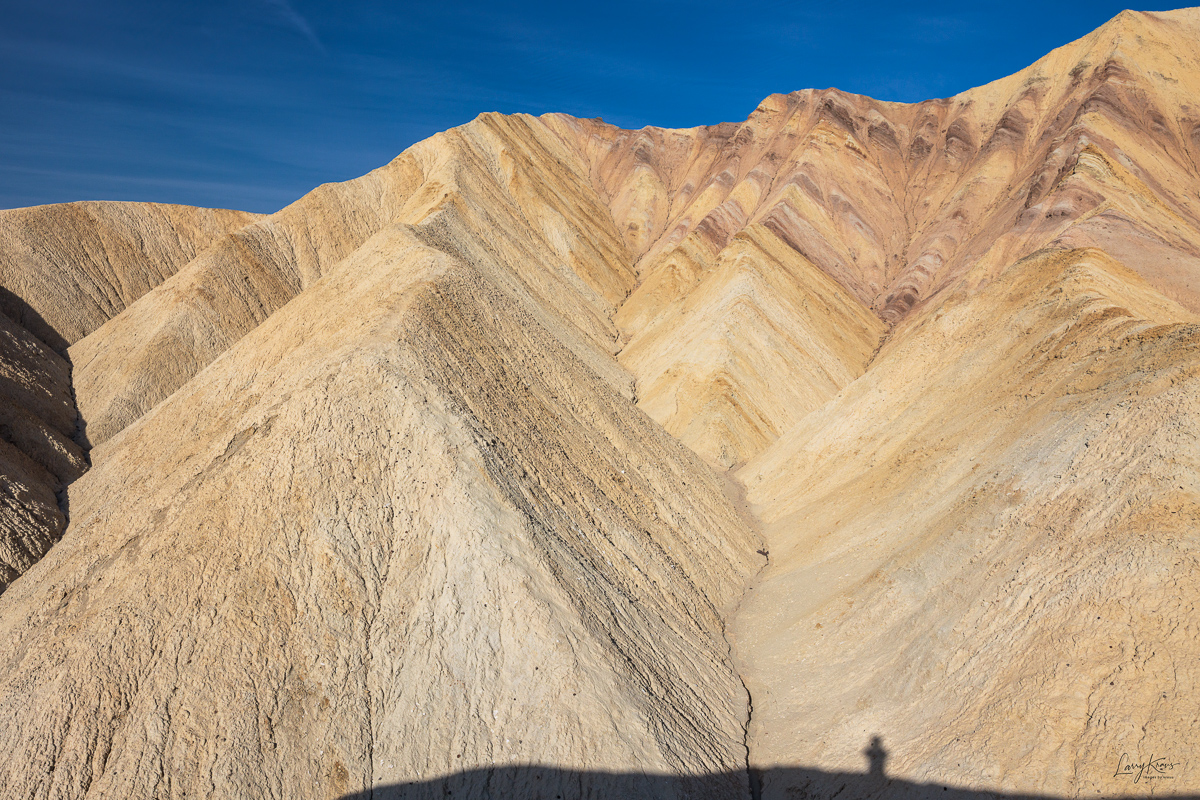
column 984, row 550
column 398, row 530
column 144, row 354
column 762, row 338
column 391, row 487
column 64, row 270
column 77, row 265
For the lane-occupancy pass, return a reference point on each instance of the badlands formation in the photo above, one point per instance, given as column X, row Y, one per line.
column 557, row 460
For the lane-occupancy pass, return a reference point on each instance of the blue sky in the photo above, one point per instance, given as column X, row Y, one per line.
column 250, row 104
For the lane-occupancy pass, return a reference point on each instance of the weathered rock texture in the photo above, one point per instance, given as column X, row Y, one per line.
column 38, row 455
column 72, row 267
column 985, row 549
column 417, row 481
column 408, row 523
column 64, row 271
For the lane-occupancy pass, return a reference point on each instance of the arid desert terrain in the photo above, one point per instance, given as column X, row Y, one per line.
column 852, row 450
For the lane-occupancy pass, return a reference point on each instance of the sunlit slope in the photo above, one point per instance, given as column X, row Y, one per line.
column 74, row 266
column 64, row 271
column 985, row 549
column 763, row 339
column 419, row 476
column 510, row 176
column 896, row 201
column 1097, row 144
column 397, row 531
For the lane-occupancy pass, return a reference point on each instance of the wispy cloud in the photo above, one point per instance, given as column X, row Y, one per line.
column 25, row 186
column 294, row 18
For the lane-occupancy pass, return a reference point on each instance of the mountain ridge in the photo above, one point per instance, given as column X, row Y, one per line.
column 436, row 472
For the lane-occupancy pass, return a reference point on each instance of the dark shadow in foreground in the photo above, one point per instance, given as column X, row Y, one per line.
column 785, row 783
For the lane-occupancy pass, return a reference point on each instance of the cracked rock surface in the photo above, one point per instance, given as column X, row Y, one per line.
column 531, row 463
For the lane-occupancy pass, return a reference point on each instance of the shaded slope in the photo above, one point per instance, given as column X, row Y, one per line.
column 38, row 456
column 537, row 780
column 1016, row 600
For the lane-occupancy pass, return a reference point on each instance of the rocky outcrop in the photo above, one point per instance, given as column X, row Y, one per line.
column 38, row 454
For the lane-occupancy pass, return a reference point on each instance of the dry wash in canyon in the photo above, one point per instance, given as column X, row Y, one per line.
column 558, row 460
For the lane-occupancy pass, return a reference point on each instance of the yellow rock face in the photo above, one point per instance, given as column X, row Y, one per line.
column 754, row 338
column 972, row 546
column 552, row 459
column 75, row 266
column 408, row 524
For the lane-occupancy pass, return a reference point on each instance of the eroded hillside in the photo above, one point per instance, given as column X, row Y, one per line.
column 673, row 456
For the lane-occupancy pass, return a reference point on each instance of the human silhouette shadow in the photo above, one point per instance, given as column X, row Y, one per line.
column 534, row 782
column 876, row 756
